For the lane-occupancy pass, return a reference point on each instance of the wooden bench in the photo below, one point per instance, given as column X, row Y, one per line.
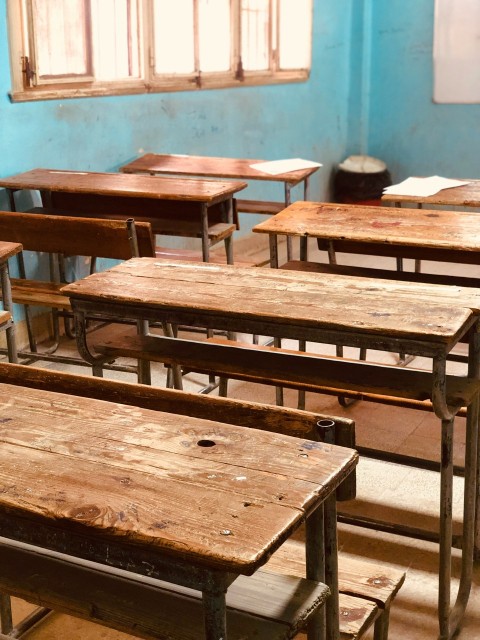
column 264, row 207
column 384, row 384
column 216, row 233
column 367, row 589
column 66, row 236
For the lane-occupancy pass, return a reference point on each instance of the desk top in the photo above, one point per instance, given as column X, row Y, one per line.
column 9, row 249
column 465, row 196
column 286, row 302
column 180, row 486
column 434, row 229
column 120, row 184
column 210, row 166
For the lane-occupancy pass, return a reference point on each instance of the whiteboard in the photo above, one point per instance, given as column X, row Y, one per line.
column 456, row 51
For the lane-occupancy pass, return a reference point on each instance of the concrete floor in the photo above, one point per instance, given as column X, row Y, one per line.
column 385, row 490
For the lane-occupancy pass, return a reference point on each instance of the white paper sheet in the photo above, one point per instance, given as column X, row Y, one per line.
column 422, row 187
column 276, row 167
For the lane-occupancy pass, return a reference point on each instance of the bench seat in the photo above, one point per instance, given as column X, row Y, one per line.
column 153, row 609
column 380, row 274
column 321, row 374
column 367, row 590
column 259, row 206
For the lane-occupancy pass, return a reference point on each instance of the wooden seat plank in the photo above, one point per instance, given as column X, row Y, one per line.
column 266, row 605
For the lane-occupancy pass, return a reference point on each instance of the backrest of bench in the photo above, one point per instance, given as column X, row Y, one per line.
column 75, row 236
column 399, row 251
column 242, row 413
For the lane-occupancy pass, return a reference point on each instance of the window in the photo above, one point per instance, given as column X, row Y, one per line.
column 73, row 48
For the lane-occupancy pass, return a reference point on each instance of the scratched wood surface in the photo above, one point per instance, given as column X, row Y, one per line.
column 388, row 308
column 434, row 229
column 119, row 184
column 465, row 196
column 209, row 166
column 182, row 485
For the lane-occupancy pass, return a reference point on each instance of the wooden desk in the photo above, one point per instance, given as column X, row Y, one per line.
column 446, row 236
column 465, row 196
column 231, row 168
column 174, row 498
column 179, row 207
column 8, row 250
column 399, row 317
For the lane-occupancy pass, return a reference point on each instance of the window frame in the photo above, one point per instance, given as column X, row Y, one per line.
column 20, row 39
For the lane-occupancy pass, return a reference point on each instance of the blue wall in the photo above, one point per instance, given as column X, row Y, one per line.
column 307, row 119
column 406, row 129
column 370, row 91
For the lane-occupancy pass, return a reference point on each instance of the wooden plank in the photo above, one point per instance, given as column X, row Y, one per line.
column 5, row 316
column 118, row 184
column 399, row 310
column 74, row 236
column 37, row 293
column 117, row 497
column 465, row 196
column 9, row 249
column 210, row 166
column 259, row 206
column 425, row 229
column 264, row 605
column 381, row 274
column 379, row 583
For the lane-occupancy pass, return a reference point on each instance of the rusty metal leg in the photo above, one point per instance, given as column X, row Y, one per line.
column 6, row 624
column 380, row 630
column 8, row 306
column 176, row 369
column 205, row 241
column 277, row 342
column 272, row 240
column 215, row 612
column 302, row 346
column 315, row 567
column 446, row 491
column 288, row 201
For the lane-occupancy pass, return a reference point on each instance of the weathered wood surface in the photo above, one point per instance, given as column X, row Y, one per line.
column 264, row 606
column 260, row 206
column 379, row 583
column 465, row 196
column 5, row 316
column 74, row 236
column 413, row 311
column 209, row 166
column 118, row 184
column 126, row 475
column 425, row 229
column 9, row 249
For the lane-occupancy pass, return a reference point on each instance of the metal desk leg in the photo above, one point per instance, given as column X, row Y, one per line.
column 8, row 306
column 315, row 567
column 272, row 239
column 449, row 620
column 288, row 201
column 446, row 490
column 205, row 241
column 215, row 612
